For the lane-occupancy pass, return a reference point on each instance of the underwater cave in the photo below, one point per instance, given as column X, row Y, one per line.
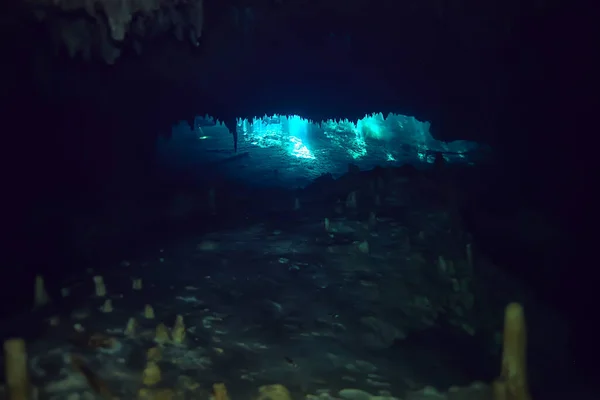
column 285, row 199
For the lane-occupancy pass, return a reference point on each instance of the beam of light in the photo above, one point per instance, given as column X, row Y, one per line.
column 289, row 132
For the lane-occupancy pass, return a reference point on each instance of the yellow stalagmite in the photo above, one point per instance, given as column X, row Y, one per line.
column 512, row 382
column 15, row 369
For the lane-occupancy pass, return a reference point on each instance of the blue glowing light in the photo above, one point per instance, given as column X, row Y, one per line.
column 289, row 133
column 301, row 150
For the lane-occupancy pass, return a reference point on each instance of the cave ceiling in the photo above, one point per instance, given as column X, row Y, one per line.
column 454, row 63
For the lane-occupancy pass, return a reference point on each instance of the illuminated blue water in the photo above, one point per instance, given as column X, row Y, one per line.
column 291, row 151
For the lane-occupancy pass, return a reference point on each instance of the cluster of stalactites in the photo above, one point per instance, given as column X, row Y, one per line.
column 104, row 27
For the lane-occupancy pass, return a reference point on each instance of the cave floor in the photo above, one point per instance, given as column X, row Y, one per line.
column 328, row 307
